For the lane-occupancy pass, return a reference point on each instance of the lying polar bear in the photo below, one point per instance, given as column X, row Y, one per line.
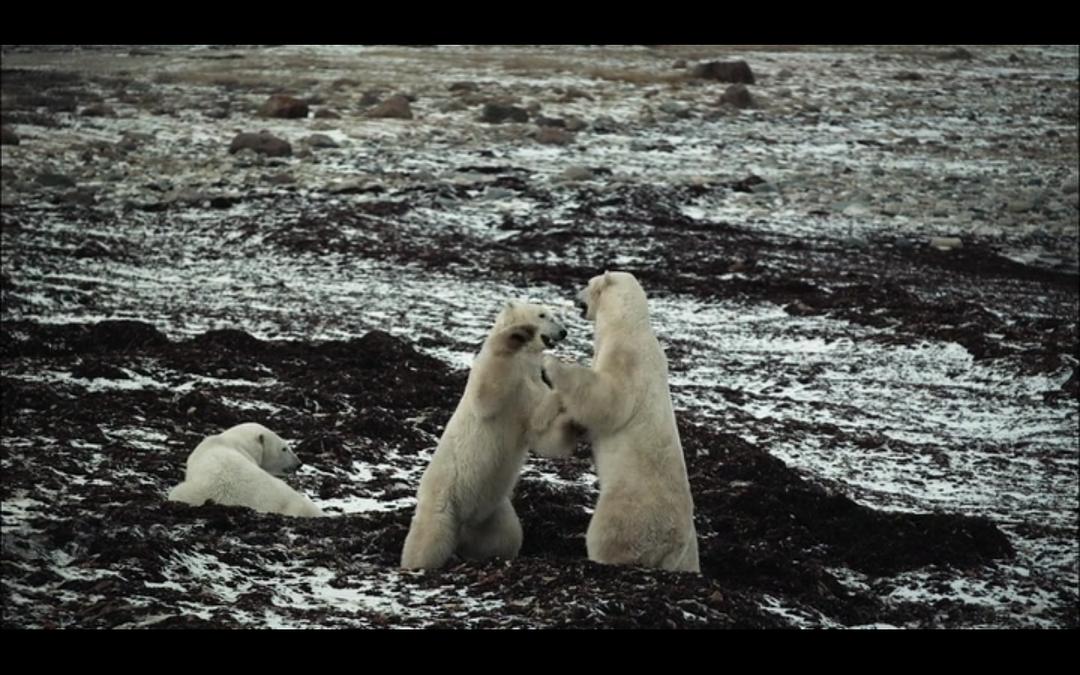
column 235, row 468
column 463, row 504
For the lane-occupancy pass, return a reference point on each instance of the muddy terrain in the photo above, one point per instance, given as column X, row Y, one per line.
column 861, row 263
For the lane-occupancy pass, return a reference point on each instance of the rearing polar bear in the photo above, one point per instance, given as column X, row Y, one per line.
column 463, row 504
column 238, row 467
column 645, row 513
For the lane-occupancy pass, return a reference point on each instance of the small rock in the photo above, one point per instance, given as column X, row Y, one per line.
column 495, row 113
column 98, row 110
column 370, row 97
column 8, row 136
column 453, row 105
column 284, row 106
column 575, row 173
column 575, row 124
column 542, row 121
column 55, row 180
column 1013, row 58
column 605, row 125
column 676, row 109
column 908, row 76
column 326, row 114
column 679, row 63
column 320, row 141
column 219, row 113
column 958, row 54
column 354, row 186
column 553, row 136
column 496, row 193
column 395, row 107
column 1070, row 187
column 573, row 93
column 945, row 243
column 737, row 95
column 263, row 143
column 464, row 87
column 730, row 71
column 280, row 179
column 784, row 74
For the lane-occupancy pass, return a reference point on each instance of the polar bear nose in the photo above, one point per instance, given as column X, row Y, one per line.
column 562, row 334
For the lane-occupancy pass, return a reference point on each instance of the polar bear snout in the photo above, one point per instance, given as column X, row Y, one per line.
column 551, row 339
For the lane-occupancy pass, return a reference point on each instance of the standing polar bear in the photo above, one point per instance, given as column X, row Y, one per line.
column 234, row 469
column 463, row 503
column 645, row 513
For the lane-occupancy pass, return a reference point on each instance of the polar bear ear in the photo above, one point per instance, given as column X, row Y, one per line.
column 607, row 278
column 510, row 304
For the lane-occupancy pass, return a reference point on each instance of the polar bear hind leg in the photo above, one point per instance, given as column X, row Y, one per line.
column 499, row 536
column 431, row 540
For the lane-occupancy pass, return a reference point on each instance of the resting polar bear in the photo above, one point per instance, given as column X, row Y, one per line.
column 234, row 469
column 463, row 503
column 645, row 513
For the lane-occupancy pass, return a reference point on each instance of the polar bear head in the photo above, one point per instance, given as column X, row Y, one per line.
column 617, row 294
column 263, row 446
column 549, row 328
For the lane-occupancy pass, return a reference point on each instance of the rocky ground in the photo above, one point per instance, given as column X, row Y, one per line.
column 862, row 264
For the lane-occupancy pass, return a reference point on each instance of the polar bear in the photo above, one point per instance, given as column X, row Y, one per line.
column 234, row 468
column 645, row 512
column 463, row 502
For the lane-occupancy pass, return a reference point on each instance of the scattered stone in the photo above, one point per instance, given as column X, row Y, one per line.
column 724, row 71
column 573, row 174
column 738, row 96
column 573, row 94
column 56, row 180
column 453, row 105
column 495, row 113
column 395, row 107
column 575, row 124
column 497, row 193
column 553, row 136
column 371, row 97
column 92, row 249
column 98, row 110
column 355, row 186
column 542, row 121
column 675, row 109
column 1070, row 187
column 679, row 63
column 326, row 114
column 605, row 125
column 280, row 179
column 945, row 243
column 284, row 106
column 263, row 143
column 218, row 113
column 784, row 74
column 320, row 141
column 908, row 76
column 8, row 136
column 1013, row 58
column 464, row 87
column 958, row 54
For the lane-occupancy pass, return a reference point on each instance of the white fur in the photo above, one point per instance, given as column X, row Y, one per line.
column 234, row 469
column 463, row 503
column 645, row 512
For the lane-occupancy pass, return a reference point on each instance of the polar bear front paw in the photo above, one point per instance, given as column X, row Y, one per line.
column 516, row 337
